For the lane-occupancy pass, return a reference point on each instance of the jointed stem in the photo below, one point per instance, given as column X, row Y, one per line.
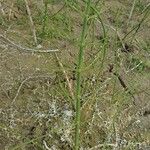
column 78, row 88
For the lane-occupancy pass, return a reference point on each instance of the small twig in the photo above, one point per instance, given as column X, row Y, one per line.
column 118, row 35
column 131, row 12
column 66, row 77
column 123, row 84
column 134, row 67
column 10, row 12
column 46, row 146
column 18, row 91
column 31, row 22
column 121, row 81
column 23, row 82
column 26, row 49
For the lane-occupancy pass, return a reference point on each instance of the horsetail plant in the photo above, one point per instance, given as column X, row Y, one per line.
column 79, row 74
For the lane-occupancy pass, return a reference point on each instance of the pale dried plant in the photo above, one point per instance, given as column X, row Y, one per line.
column 2, row 9
column 31, row 23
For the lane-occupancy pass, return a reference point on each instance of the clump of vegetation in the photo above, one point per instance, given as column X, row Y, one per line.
column 74, row 75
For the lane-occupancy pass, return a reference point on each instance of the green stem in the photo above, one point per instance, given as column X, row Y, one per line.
column 78, row 71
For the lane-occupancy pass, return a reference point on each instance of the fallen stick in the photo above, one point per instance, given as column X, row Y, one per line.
column 25, row 48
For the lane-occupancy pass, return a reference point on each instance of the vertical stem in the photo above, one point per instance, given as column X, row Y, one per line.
column 131, row 12
column 31, row 22
column 78, row 71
